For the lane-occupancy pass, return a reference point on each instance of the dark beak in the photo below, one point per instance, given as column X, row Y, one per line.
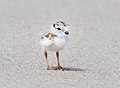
column 67, row 33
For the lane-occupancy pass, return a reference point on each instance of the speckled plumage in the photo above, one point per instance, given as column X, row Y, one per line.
column 55, row 41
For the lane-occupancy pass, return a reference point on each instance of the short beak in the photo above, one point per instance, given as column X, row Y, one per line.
column 67, row 33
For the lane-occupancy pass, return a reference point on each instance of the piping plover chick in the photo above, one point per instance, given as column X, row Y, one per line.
column 55, row 41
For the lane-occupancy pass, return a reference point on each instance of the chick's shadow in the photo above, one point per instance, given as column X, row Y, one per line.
column 74, row 69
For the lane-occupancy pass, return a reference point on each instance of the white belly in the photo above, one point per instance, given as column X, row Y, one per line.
column 56, row 44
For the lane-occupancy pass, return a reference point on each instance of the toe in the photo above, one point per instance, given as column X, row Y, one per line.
column 51, row 68
column 61, row 68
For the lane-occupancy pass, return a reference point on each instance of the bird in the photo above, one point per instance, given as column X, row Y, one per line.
column 55, row 41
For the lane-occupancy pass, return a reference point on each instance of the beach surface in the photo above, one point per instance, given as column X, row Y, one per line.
column 92, row 54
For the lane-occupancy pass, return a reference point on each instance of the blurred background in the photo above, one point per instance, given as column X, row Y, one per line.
column 92, row 54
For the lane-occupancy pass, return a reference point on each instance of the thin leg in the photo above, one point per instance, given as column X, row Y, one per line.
column 57, row 55
column 46, row 59
column 58, row 62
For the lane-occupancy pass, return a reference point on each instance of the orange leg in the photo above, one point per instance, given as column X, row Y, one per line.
column 46, row 59
column 58, row 62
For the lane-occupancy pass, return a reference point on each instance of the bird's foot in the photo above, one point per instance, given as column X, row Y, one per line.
column 60, row 68
column 51, row 68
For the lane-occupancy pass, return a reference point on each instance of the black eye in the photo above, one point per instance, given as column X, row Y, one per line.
column 53, row 25
column 58, row 28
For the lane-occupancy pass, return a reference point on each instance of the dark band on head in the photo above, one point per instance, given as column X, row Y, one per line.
column 53, row 25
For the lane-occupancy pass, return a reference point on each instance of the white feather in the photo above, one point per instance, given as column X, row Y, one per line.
column 58, row 42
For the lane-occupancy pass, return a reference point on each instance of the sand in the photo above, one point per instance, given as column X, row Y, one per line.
column 92, row 54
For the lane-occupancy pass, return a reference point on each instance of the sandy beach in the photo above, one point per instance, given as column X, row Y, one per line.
column 92, row 54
